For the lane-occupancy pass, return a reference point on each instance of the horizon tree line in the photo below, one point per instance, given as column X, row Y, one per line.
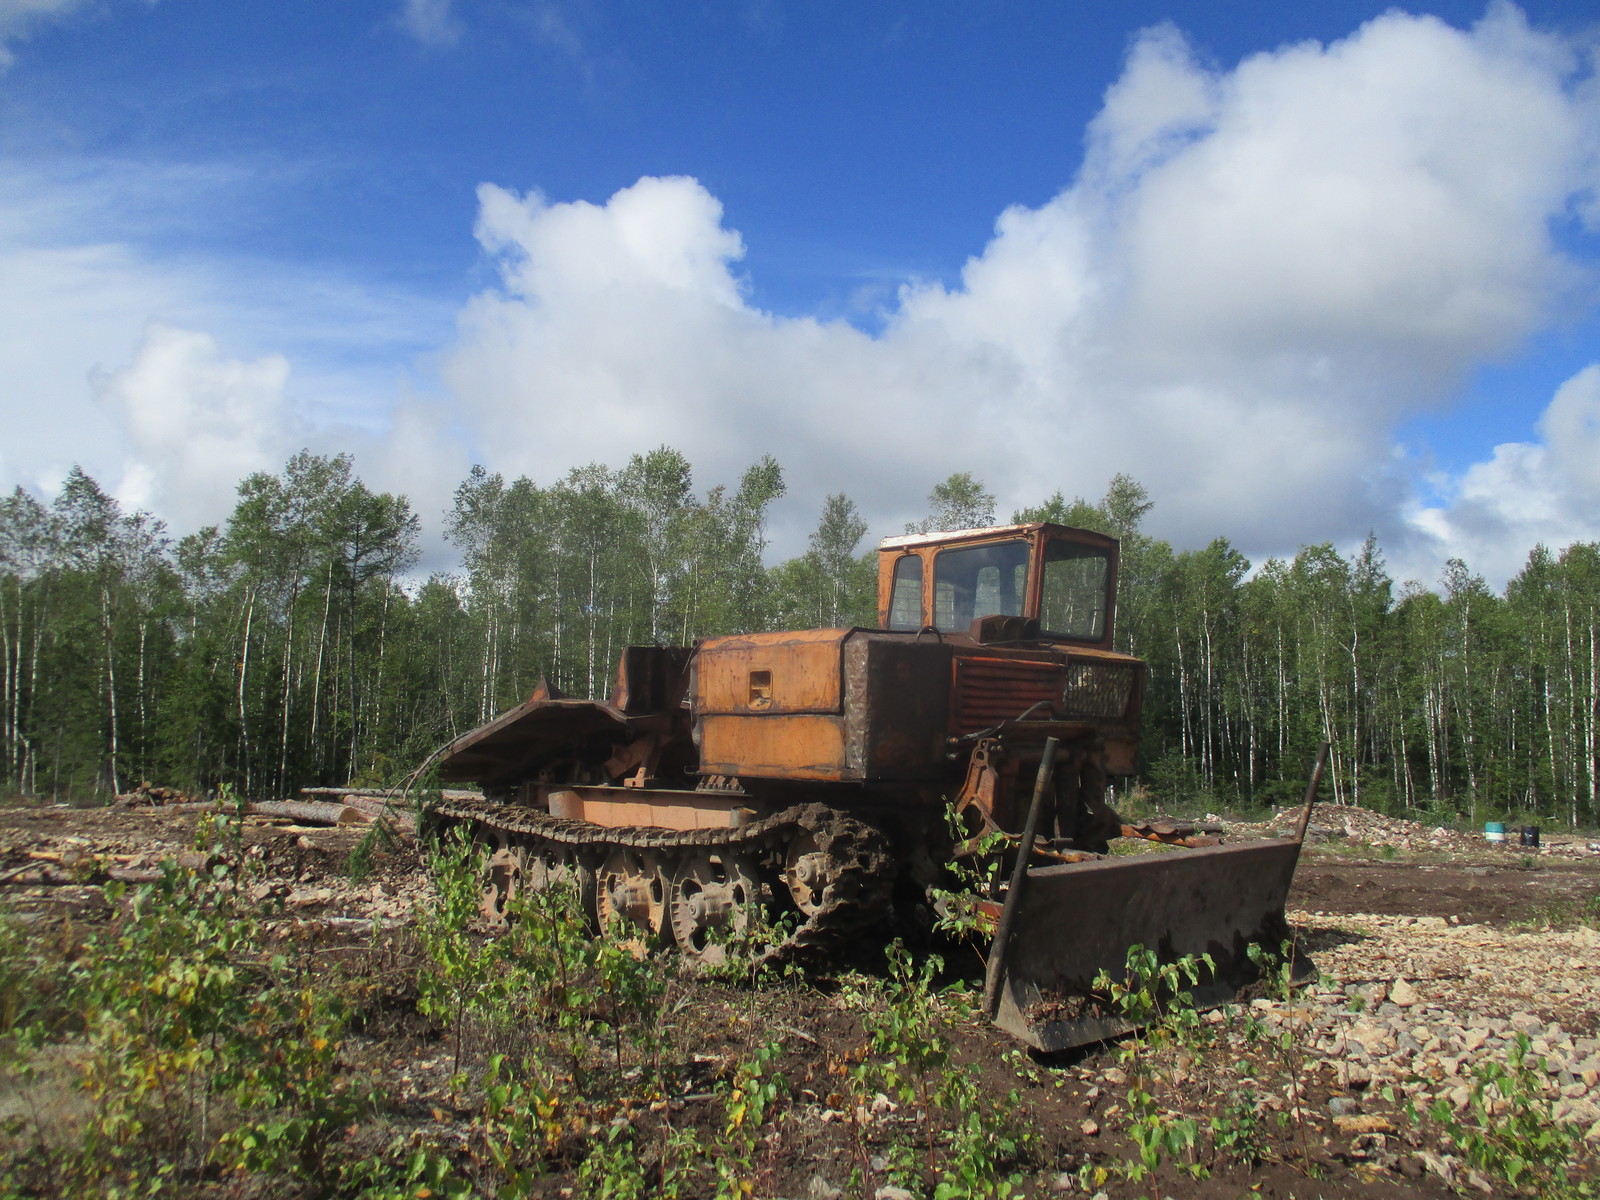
column 289, row 645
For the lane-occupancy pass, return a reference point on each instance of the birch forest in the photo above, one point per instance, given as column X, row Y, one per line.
column 296, row 644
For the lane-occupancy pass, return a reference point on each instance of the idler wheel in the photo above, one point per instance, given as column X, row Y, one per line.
column 629, row 886
column 806, row 873
column 712, row 894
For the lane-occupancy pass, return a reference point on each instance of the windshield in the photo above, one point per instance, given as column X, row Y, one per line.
column 1073, row 599
column 979, row 581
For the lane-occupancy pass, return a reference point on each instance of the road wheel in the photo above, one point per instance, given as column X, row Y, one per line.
column 629, row 886
column 712, row 894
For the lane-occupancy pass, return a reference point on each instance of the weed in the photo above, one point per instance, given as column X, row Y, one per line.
column 361, row 861
column 524, row 1118
column 908, row 1035
column 632, row 985
column 612, row 1170
column 298, row 1099
column 1277, row 970
column 747, row 1102
column 421, row 1174
column 199, row 1049
column 1512, row 1133
column 1236, row 1131
column 1152, row 996
column 461, row 977
column 974, row 874
column 1562, row 912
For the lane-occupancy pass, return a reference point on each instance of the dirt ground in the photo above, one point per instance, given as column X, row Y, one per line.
column 1432, row 960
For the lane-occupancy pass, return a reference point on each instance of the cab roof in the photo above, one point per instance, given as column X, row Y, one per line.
column 942, row 537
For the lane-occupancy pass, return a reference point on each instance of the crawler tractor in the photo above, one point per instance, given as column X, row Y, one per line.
column 815, row 773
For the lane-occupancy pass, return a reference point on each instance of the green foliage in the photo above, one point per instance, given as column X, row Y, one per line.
column 1236, row 1131
column 958, row 914
column 461, row 978
column 612, row 1169
column 908, row 1029
column 747, row 1104
column 199, row 1048
column 959, row 502
column 1510, row 1131
column 288, row 646
column 404, row 1173
column 1153, row 997
column 524, row 1118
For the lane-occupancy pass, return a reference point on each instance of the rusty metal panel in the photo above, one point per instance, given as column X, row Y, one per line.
column 797, row 746
column 1122, row 754
column 991, row 690
column 514, row 742
column 896, row 698
column 770, row 673
column 650, row 678
column 1076, row 920
column 615, row 807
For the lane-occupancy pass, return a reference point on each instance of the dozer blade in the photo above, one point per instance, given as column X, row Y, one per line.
column 1075, row 920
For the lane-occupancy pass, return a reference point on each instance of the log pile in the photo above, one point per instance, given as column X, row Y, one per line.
column 147, row 795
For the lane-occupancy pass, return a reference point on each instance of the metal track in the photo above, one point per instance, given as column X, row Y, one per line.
column 860, row 866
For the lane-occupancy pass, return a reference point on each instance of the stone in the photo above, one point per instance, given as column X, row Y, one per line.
column 1090, row 1128
column 1402, row 993
column 1359, row 1124
column 1342, row 1106
column 888, row 1192
column 1114, row 1075
column 1352, row 1075
column 820, row 1189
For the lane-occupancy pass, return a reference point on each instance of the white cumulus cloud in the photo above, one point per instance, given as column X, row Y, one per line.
column 1525, row 493
column 197, row 423
column 1257, row 274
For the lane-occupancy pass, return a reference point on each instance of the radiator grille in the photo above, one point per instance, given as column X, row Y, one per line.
column 989, row 691
column 1098, row 691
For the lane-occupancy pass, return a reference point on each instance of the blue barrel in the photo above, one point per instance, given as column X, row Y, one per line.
column 1494, row 831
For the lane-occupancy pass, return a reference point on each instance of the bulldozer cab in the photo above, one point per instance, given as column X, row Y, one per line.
column 1011, row 582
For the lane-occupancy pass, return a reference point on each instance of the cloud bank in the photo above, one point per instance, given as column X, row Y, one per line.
column 1256, row 276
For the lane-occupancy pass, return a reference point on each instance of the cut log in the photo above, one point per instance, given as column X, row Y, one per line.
column 310, row 812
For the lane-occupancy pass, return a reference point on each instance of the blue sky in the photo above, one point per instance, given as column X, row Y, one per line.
column 1304, row 270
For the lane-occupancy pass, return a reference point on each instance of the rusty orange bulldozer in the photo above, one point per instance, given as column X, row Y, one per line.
column 832, row 774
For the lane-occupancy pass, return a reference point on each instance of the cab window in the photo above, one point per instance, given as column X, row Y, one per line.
column 979, row 581
column 905, row 601
column 1074, row 595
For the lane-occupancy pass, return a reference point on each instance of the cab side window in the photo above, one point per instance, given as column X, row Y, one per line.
column 905, row 601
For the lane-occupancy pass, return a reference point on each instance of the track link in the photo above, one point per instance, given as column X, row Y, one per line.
column 859, row 864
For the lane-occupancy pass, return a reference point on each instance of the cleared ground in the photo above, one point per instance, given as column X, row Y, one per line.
column 1435, row 951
